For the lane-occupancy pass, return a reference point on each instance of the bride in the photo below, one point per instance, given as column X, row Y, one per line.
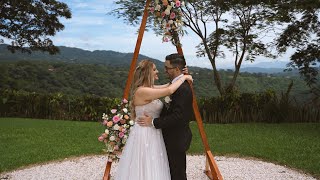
column 144, row 157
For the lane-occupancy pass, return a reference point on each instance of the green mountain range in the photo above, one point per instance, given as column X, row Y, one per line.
column 74, row 55
column 104, row 73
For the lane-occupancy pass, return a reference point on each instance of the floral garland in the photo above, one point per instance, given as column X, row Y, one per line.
column 118, row 123
column 168, row 17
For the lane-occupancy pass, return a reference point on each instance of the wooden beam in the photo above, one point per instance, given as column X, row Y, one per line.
column 131, row 71
column 214, row 173
column 106, row 175
column 136, row 51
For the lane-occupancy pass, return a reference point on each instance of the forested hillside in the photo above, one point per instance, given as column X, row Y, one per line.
column 104, row 80
column 104, row 73
column 73, row 55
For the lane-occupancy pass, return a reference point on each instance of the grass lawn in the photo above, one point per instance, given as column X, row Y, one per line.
column 29, row 141
column 294, row 145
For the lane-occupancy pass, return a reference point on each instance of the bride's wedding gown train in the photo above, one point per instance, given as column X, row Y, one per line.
column 144, row 157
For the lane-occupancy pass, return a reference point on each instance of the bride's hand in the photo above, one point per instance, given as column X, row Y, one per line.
column 185, row 70
column 188, row 78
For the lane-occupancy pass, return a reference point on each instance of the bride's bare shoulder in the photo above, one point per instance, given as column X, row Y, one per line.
column 139, row 96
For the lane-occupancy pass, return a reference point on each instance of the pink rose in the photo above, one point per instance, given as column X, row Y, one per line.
column 152, row 9
column 163, row 14
column 104, row 135
column 122, row 121
column 104, row 122
column 172, row 15
column 125, row 101
column 100, row 138
column 121, row 134
column 116, row 119
column 113, row 111
column 178, row 3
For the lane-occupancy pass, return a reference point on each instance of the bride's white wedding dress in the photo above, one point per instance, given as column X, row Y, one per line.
column 144, row 157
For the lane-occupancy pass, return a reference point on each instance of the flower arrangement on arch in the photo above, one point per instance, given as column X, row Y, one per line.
column 168, row 16
column 118, row 123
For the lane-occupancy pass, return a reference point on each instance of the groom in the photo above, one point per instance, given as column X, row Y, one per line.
column 174, row 119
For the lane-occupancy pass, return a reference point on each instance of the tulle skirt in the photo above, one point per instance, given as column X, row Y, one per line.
column 144, row 157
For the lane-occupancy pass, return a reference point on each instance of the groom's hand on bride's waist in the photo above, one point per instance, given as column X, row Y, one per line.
column 145, row 120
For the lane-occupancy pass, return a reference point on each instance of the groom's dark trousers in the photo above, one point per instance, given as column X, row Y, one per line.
column 174, row 122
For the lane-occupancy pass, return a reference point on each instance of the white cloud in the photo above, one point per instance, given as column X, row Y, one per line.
column 81, row 5
column 92, row 29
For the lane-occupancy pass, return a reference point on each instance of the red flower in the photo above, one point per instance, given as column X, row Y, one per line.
column 172, row 15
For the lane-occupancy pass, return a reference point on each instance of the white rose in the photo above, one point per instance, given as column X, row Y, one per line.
column 104, row 116
column 167, row 11
column 106, row 131
column 112, row 138
column 125, row 110
column 170, row 21
column 131, row 122
column 116, row 127
column 158, row 7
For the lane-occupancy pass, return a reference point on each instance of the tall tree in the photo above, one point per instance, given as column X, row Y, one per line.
column 240, row 26
column 302, row 33
column 30, row 23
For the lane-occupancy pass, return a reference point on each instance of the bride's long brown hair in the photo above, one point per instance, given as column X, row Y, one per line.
column 143, row 76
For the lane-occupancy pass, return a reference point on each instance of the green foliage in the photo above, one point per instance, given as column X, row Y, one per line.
column 232, row 108
column 303, row 34
column 260, row 107
column 29, row 23
column 54, row 106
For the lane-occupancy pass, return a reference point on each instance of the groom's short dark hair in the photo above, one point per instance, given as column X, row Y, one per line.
column 176, row 60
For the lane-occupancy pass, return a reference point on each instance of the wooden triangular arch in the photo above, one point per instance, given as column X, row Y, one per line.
column 211, row 168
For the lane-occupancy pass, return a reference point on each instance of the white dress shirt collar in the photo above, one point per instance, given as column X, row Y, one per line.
column 175, row 79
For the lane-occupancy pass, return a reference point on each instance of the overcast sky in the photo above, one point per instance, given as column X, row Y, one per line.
column 90, row 28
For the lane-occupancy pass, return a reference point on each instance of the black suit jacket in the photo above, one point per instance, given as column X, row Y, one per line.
column 174, row 121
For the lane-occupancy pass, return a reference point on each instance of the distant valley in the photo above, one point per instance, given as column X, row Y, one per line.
column 112, row 58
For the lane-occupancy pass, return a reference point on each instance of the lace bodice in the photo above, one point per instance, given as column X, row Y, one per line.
column 152, row 109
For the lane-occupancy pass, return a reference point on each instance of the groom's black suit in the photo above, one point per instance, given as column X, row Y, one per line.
column 177, row 135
